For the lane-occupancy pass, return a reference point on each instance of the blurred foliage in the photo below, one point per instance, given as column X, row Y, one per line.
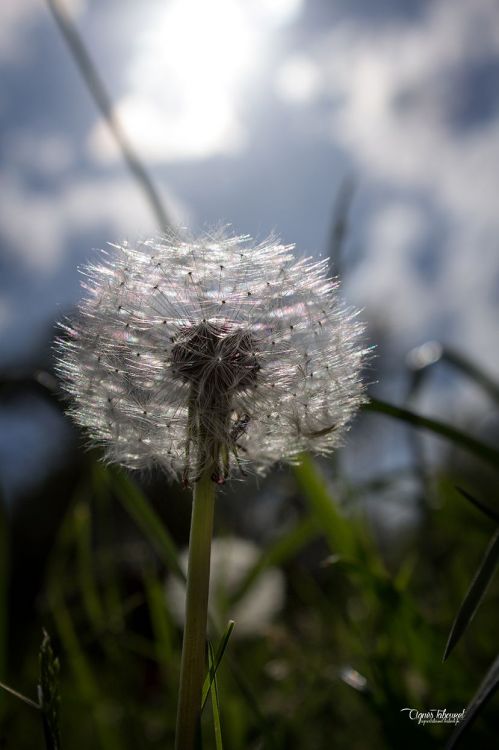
column 362, row 634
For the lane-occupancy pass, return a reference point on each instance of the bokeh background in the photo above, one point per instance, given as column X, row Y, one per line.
column 367, row 132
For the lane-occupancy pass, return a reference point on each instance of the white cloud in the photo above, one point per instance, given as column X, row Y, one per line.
column 50, row 154
column 384, row 282
column 17, row 18
column 36, row 227
column 298, row 79
column 398, row 95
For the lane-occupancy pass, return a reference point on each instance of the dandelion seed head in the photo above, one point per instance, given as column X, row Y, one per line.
column 211, row 352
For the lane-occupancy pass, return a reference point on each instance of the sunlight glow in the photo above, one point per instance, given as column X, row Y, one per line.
column 187, row 77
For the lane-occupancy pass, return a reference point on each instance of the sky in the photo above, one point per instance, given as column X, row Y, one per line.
column 254, row 115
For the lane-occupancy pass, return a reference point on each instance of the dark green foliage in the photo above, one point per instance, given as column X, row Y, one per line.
column 360, row 638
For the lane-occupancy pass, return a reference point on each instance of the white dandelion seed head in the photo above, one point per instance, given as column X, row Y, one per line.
column 211, row 353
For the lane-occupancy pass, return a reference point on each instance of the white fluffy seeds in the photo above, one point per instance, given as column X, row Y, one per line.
column 211, row 353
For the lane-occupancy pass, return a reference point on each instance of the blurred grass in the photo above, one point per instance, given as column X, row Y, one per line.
column 361, row 635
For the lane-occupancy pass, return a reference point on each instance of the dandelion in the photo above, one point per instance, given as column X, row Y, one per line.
column 207, row 357
column 212, row 354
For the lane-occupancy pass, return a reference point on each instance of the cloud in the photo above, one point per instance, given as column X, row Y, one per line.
column 17, row 20
column 45, row 234
column 36, row 226
column 416, row 107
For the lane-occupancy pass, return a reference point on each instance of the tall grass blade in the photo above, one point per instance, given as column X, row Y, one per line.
column 214, row 699
column 83, row 676
column 336, row 528
column 21, row 697
column 139, row 508
column 462, row 439
column 83, row 537
column 474, row 594
column 487, row 688
column 493, row 515
column 49, row 695
column 161, row 625
column 224, row 640
column 99, row 93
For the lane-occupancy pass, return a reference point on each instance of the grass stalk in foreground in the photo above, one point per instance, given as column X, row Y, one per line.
column 192, row 669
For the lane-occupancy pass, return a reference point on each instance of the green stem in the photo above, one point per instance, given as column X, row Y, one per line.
column 192, row 668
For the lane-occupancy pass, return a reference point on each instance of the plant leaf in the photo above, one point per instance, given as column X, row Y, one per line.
column 486, row 690
column 142, row 512
column 214, row 699
column 462, row 439
column 474, row 594
column 224, row 640
column 21, row 697
column 336, row 528
column 49, row 693
column 493, row 515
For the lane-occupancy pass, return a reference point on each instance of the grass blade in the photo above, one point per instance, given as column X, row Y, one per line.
column 21, row 697
column 142, row 512
column 214, row 699
column 161, row 625
column 462, row 439
column 83, row 676
column 334, row 525
column 48, row 690
column 224, row 640
column 474, row 594
column 479, row 505
column 472, row 371
column 487, row 688
column 102, row 99
column 83, row 540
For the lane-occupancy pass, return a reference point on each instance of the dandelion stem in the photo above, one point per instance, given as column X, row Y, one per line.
column 192, row 669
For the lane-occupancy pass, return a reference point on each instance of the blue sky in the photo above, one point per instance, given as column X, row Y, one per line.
column 254, row 114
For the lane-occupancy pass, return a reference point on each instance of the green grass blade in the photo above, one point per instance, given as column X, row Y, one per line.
column 265, row 725
column 224, row 640
column 462, row 439
column 83, row 675
column 487, row 688
column 161, row 625
column 83, row 538
column 474, row 594
column 214, row 699
column 142, row 512
column 279, row 552
column 336, row 528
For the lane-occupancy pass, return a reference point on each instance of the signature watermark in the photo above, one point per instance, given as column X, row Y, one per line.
column 435, row 716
